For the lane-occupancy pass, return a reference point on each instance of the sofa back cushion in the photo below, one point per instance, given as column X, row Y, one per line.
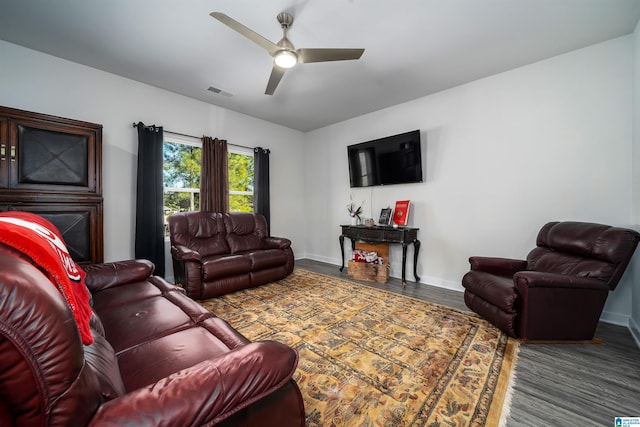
column 44, row 379
column 203, row 232
column 583, row 249
column 245, row 231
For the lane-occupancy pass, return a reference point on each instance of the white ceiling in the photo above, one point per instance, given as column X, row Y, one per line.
column 413, row 47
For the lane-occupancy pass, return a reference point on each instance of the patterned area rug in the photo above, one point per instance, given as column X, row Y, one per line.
column 372, row 358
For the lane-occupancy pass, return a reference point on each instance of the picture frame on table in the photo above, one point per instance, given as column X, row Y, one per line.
column 385, row 216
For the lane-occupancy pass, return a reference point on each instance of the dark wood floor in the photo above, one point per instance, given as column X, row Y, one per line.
column 578, row 385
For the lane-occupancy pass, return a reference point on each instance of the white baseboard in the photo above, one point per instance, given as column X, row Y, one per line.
column 442, row 283
column 615, row 318
column 320, row 258
column 396, row 273
column 634, row 328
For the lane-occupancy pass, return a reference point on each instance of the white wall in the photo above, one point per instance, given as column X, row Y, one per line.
column 548, row 141
column 634, row 322
column 33, row 81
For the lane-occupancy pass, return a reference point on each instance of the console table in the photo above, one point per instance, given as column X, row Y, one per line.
column 382, row 234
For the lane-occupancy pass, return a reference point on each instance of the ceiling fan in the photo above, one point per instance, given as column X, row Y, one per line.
column 284, row 54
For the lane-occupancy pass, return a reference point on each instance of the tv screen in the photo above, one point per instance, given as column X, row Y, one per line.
column 392, row 160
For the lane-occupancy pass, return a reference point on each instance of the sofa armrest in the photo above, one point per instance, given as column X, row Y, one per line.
column 498, row 266
column 183, row 253
column 539, row 279
column 107, row 275
column 206, row 393
column 276, row 243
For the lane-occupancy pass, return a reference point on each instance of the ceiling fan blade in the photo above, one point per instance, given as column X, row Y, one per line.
column 248, row 33
column 274, row 79
column 324, row 55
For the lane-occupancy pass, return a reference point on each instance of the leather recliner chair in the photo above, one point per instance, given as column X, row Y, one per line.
column 559, row 291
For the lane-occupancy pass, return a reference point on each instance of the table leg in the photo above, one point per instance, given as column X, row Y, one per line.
column 341, row 238
column 404, row 262
column 416, row 249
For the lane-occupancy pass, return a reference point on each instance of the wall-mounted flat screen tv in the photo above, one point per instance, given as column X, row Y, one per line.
column 392, row 160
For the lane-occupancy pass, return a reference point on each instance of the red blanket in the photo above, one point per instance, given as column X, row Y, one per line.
column 41, row 241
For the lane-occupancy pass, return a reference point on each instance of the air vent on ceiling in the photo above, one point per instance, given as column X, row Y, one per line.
column 218, row 91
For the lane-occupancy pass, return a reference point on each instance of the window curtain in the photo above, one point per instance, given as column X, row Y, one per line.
column 261, row 183
column 149, row 236
column 214, row 179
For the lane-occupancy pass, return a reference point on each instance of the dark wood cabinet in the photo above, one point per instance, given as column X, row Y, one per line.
column 5, row 152
column 52, row 166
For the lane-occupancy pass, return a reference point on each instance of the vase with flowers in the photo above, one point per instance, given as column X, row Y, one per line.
column 354, row 212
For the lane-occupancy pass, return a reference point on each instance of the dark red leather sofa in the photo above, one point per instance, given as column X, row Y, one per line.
column 157, row 357
column 214, row 253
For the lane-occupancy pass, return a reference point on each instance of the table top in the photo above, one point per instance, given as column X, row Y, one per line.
column 379, row 227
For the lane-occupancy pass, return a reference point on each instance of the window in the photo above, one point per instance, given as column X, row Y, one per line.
column 181, row 175
column 240, row 180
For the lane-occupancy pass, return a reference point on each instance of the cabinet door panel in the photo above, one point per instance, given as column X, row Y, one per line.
column 48, row 159
column 79, row 225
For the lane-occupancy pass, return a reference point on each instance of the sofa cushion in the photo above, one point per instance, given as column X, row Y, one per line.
column 225, row 266
column 266, row 258
column 583, row 249
column 245, row 231
column 550, row 261
column 43, row 373
column 130, row 325
column 141, row 367
column 203, row 232
column 589, row 240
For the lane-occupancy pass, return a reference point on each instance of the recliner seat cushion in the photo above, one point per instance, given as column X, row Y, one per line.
column 225, row 266
column 130, row 325
column 266, row 259
column 141, row 367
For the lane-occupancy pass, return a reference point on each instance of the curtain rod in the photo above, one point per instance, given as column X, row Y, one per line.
column 197, row 137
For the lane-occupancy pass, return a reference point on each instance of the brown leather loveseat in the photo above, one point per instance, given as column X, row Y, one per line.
column 214, row 253
column 157, row 357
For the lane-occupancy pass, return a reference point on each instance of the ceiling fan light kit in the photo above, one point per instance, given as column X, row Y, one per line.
column 285, row 58
column 284, row 54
